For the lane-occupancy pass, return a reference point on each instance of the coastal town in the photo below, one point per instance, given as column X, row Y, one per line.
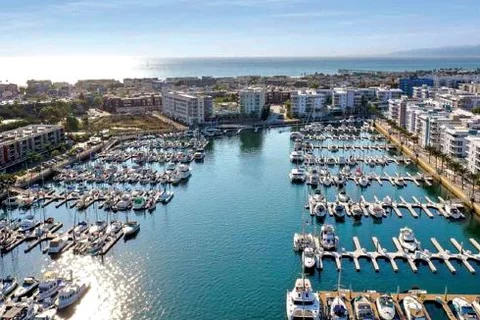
column 87, row 164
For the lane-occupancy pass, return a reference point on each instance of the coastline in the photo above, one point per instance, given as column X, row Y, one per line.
column 447, row 183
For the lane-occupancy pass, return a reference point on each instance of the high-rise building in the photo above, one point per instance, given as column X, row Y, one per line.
column 187, row 108
column 407, row 84
column 251, row 100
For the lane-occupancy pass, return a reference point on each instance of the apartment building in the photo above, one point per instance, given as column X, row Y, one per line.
column 187, row 108
column 407, row 85
column 458, row 99
column 454, row 141
column 252, row 100
column 397, row 111
column 429, row 127
column 384, row 94
column 38, row 87
column 473, row 153
column 16, row 145
column 423, row 92
column 137, row 104
column 471, row 87
column 343, row 98
column 309, row 103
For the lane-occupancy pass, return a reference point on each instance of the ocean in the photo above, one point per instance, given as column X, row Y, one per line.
column 71, row 69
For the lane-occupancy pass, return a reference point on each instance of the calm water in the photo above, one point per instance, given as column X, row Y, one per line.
column 19, row 70
column 223, row 247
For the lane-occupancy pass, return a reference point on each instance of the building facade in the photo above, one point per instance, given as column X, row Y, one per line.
column 251, row 101
column 308, row 103
column 407, row 84
column 187, row 108
column 473, row 154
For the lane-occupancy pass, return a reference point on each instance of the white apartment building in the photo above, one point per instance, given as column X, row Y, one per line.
column 473, row 153
column 454, row 141
column 423, row 92
column 384, row 94
column 458, row 99
column 252, row 100
column 343, row 98
column 309, row 103
column 429, row 126
column 397, row 111
column 187, row 108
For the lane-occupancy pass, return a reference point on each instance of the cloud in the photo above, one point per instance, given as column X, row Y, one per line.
column 315, row 14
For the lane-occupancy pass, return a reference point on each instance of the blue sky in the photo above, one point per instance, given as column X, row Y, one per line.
column 178, row 28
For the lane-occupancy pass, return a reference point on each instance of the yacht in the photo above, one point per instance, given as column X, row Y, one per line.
column 124, row 204
column 313, row 178
column 296, row 156
column 320, row 210
column 464, row 310
column 302, row 241
column 57, row 244
column 98, row 226
column 386, row 307
column 113, row 227
column 302, row 302
column 170, row 166
column 327, row 181
column 71, row 293
column 80, row 227
column 7, row 286
column 184, row 171
column 376, row 210
column 452, row 211
column 363, row 308
column 328, row 239
column 131, row 228
column 363, row 181
column 199, row 156
column 356, row 211
column 413, row 309
column 339, row 180
column 407, row 239
column 338, row 309
column 313, row 199
column 343, row 196
column 387, row 201
column 139, row 203
column 339, row 210
column 48, row 288
column 308, row 258
column 399, row 181
column 297, row 175
column 166, row 196
column 29, row 285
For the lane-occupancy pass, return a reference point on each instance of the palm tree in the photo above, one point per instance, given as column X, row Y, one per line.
column 429, row 150
column 463, row 172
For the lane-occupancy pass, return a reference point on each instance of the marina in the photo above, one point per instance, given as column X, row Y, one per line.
column 235, row 193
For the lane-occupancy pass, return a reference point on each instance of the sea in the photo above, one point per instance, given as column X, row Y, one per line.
column 223, row 247
column 70, row 69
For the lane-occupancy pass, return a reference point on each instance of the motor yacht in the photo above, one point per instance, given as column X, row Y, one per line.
column 363, row 181
column 376, row 210
column 308, row 258
column 328, row 239
column 356, row 211
column 387, row 201
column 338, row 309
column 297, row 175
column 57, row 244
column 71, row 293
column 131, row 228
column 113, row 227
column 327, row 181
column 296, row 156
column 139, row 203
column 339, row 210
column 407, row 239
column 386, row 307
column 302, row 302
column 320, row 210
column 453, row 212
column 343, row 196
column 363, row 308
column 98, row 226
column 49, row 287
column 302, row 241
column 413, row 309
column 184, row 171
column 464, row 310
column 27, row 225
column 166, row 196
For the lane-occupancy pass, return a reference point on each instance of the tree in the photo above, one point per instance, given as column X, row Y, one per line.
column 476, row 110
column 85, row 123
column 364, row 105
column 288, row 107
column 328, row 100
column 314, row 85
column 98, row 101
column 72, row 123
column 55, row 153
column 265, row 113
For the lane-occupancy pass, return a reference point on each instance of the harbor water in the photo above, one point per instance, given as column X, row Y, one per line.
column 222, row 248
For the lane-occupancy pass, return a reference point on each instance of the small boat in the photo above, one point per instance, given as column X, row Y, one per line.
column 452, row 211
column 413, row 309
column 376, row 210
column 308, row 258
column 166, row 196
column 387, row 201
column 48, row 288
column 464, row 310
column 7, row 286
column 113, row 227
column 27, row 225
column 46, row 314
column 339, row 210
column 338, row 309
column 363, row 308
column 296, row 156
column 320, row 210
column 399, row 181
column 98, row 226
column 343, row 196
column 57, row 244
column 199, row 156
column 29, row 285
column 131, row 228
column 302, row 302
column 328, row 239
column 71, row 293
column 80, row 227
column 297, row 175
column 386, row 307
column 184, row 171
column 302, row 241
column 327, row 181
column 363, row 181
column 356, row 211
column 407, row 239
column 139, row 203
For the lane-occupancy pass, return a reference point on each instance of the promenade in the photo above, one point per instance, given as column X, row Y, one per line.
column 420, row 156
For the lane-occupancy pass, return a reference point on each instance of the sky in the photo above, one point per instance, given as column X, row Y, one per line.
column 195, row 28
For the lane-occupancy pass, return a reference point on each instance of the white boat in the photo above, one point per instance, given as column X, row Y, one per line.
column 57, row 244
column 7, row 286
column 80, row 227
column 314, row 199
column 387, row 201
column 166, row 196
column 46, row 314
column 413, row 309
column 170, row 166
column 328, row 239
column 113, row 227
column 71, row 293
column 327, row 181
column 131, row 228
column 356, row 211
column 464, row 310
column 407, row 239
column 302, row 241
column 338, row 309
column 296, row 156
column 124, row 203
column 339, row 210
column 453, row 212
column 297, row 175
column 313, row 179
column 320, row 210
column 363, row 181
column 139, row 203
column 376, row 210
column 308, row 258
column 184, row 171
column 386, row 307
column 363, row 308
column 198, row 156
column 399, row 181
column 49, row 287
column 98, row 226
column 343, row 196
column 302, row 302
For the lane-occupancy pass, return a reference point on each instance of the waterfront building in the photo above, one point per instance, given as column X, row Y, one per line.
column 384, row 94
column 423, row 92
column 473, row 153
column 454, row 141
column 309, row 103
column 407, row 84
column 429, row 127
column 17, row 145
column 343, row 98
column 397, row 111
column 252, row 100
column 188, row 108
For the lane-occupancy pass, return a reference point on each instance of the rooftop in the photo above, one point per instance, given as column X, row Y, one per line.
column 27, row 131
